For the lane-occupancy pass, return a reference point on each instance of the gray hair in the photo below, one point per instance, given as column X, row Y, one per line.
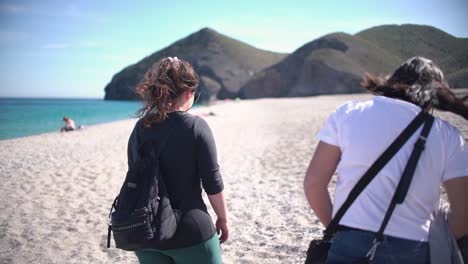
column 422, row 78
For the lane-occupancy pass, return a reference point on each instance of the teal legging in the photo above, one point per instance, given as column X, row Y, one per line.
column 207, row 252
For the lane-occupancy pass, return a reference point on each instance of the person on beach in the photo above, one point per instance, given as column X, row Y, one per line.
column 69, row 124
column 189, row 158
column 357, row 133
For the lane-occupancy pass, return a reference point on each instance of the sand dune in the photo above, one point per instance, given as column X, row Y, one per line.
column 56, row 188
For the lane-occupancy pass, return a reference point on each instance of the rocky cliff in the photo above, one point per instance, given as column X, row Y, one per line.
column 223, row 64
column 336, row 62
column 331, row 64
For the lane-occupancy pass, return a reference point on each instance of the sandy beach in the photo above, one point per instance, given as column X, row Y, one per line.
column 56, row 189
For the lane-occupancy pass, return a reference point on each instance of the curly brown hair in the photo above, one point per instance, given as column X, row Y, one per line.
column 420, row 82
column 162, row 86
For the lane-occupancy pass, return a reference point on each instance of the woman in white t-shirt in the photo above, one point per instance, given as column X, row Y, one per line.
column 357, row 133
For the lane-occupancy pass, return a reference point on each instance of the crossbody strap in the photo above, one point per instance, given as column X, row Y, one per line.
column 373, row 171
column 407, row 176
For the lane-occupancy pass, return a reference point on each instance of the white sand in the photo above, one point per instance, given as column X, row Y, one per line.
column 56, row 189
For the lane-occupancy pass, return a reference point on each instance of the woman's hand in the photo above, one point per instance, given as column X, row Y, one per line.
column 218, row 203
column 222, row 230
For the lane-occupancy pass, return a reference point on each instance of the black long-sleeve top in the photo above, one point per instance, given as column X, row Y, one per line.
column 188, row 159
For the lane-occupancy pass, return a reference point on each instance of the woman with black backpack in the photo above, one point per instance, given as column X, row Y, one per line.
column 187, row 161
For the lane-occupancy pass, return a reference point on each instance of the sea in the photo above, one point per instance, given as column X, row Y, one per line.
column 20, row 117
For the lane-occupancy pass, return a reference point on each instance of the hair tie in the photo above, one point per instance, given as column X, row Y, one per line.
column 174, row 60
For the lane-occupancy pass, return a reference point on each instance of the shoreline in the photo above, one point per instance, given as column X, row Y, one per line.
column 87, row 126
column 461, row 92
column 68, row 132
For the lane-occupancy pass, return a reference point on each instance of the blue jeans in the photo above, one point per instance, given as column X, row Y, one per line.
column 353, row 245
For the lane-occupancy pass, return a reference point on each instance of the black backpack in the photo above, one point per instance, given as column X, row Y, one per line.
column 141, row 216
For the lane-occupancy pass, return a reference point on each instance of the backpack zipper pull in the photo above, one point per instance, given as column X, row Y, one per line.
column 109, row 230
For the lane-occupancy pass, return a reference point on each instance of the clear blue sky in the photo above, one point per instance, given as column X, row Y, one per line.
column 73, row 48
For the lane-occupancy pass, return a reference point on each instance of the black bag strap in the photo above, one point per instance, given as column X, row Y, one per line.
column 374, row 170
column 139, row 147
column 407, row 176
column 149, row 145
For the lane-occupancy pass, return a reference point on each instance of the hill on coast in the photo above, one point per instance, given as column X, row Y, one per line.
column 332, row 64
column 335, row 63
column 405, row 41
column 223, row 64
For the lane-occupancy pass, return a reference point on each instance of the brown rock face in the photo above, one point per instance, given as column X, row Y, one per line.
column 335, row 63
column 223, row 64
column 329, row 65
column 332, row 64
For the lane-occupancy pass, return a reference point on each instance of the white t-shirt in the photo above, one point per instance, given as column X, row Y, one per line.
column 70, row 124
column 362, row 131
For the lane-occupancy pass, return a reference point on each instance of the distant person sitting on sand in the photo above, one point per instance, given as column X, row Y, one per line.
column 69, row 124
column 188, row 162
column 357, row 133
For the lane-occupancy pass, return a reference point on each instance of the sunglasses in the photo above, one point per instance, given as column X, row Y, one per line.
column 197, row 94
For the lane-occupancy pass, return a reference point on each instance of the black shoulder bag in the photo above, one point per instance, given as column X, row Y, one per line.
column 318, row 248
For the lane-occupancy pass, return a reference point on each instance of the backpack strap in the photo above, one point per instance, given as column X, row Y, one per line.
column 148, row 147
column 373, row 170
column 139, row 148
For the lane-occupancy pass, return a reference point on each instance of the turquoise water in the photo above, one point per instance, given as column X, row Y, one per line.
column 25, row 117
